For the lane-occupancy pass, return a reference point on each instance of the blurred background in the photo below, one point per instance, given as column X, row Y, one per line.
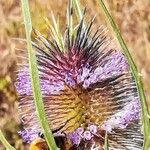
column 132, row 16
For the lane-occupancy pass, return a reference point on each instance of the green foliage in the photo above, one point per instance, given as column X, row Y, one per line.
column 106, row 146
column 54, row 27
column 35, row 78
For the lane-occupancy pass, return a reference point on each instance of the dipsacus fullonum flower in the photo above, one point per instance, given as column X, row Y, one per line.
column 87, row 91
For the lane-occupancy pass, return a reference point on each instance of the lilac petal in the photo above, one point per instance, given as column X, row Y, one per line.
column 87, row 135
column 80, row 131
column 23, row 84
column 75, row 138
column 107, row 127
column 93, row 129
column 113, row 65
column 83, row 73
column 69, row 80
column 28, row 136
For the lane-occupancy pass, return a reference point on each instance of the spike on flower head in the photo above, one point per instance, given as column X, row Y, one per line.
column 87, row 89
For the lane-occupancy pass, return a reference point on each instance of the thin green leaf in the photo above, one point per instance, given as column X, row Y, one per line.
column 78, row 9
column 77, row 6
column 5, row 142
column 35, row 78
column 133, row 68
column 54, row 27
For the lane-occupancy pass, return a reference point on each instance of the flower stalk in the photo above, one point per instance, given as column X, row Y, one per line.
column 77, row 9
column 35, row 78
column 106, row 146
column 133, row 68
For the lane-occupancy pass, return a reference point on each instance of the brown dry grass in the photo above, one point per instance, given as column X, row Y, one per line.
column 132, row 16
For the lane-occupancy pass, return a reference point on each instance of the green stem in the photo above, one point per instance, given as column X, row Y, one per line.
column 5, row 142
column 56, row 33
column 134, row 70
column 76, row 4
column 35, row 78
column 78, row 9
column 106, row 146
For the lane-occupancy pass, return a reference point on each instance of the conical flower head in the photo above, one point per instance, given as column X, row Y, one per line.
column 87, row 90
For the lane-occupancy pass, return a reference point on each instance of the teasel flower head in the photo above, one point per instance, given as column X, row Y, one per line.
column 87, row 91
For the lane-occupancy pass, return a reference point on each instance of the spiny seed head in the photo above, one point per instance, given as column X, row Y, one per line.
column 87, row 90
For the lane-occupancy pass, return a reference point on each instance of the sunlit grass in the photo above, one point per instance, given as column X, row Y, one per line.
column 35, row 78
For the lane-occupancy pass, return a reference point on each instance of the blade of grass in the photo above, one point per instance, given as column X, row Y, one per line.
column 35, row 78
column 133, row 68
column 78, row 9
column 54, row 27
column 5, row 142
column 77, row 6
column 56, row 32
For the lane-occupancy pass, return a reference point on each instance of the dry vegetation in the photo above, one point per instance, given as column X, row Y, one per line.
column 132, row 16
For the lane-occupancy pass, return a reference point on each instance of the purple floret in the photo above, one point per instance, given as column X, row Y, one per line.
column 124, row 117
column 87, row 135
column 48, row 86
column 113, row 65
column 75, row 138
column 83, row 134
column 93, row 129
column 28, row 136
